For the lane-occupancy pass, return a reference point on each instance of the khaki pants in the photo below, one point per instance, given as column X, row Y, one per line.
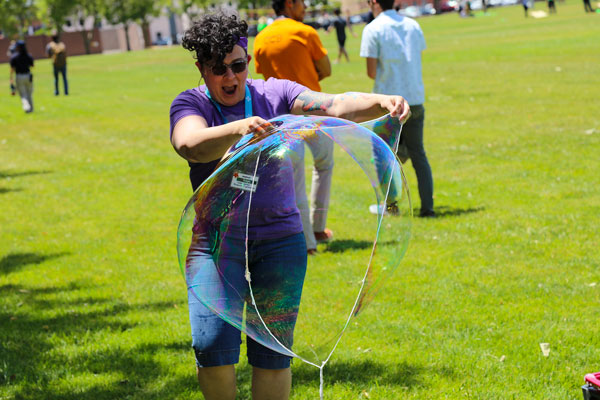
column 25, row 88
column 316, row 219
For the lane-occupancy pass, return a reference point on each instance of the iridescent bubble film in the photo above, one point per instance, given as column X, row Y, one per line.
column 296, row 311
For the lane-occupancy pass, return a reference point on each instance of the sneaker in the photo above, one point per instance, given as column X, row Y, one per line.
column 311, row 252
column 390, row 209
column 376, row 209
column 427, row 214
column 325, row 236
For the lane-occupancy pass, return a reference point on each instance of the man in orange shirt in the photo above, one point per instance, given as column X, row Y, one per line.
column 289, row 49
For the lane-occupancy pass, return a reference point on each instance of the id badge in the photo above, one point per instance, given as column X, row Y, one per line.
column 244, row 182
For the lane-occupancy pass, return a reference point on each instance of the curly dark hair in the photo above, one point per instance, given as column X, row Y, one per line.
column 212, row 36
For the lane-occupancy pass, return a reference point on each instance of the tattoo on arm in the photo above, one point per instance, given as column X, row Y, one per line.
column 315, row 101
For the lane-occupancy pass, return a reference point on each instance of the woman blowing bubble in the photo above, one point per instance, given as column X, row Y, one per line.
column 206, row 122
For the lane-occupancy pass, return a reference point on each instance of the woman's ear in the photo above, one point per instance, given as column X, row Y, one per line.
column 249, row 58
column 199, row 66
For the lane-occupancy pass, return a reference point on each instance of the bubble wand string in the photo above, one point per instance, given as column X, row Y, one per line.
column 249, row 278
column 359, row 298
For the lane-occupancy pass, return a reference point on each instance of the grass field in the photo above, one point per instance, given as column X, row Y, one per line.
column 92, row 304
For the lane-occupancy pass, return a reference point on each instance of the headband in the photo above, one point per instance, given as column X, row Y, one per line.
column 243, row 42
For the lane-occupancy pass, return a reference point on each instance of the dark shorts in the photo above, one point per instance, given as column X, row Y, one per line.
column 216, row 280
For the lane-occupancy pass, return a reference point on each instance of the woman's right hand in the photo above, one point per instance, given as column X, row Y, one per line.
column 252, row 125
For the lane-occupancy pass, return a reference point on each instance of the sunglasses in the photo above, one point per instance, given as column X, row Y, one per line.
column 236, row 67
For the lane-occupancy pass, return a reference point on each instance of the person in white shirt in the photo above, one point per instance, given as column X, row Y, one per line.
column 392, row 45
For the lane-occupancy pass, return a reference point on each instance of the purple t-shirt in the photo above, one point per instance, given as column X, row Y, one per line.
column 273, row 213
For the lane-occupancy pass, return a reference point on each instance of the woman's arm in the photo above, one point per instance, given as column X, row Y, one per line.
column 195, row 141
column 354, row 106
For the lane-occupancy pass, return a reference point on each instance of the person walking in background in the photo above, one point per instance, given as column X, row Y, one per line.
column 525, row 6
column 587, row 6
column 340, row 24
column 58, row 52
column 392, row 45
column 20, row 68
column 12, row 48
column 289, row 49
column 551, row 7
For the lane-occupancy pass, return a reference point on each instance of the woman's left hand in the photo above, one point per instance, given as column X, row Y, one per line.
column 397, row 106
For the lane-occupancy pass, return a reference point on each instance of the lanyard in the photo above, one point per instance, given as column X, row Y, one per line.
column 247, row 105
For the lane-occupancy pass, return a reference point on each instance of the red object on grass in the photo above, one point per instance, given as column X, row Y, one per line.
column 593, row 379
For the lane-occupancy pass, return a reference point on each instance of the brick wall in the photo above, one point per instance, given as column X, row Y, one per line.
column 74, row 41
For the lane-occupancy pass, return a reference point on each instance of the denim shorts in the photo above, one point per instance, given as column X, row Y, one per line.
column 215, row 276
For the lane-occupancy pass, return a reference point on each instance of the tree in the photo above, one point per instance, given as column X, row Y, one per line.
column 127, row 11
column 58, row 11
column 86, row 9
column 192, row 8
column 120, row 12
column 16, row 16
column 142, row 11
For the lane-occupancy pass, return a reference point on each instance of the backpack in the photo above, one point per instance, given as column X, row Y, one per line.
column 59, row 54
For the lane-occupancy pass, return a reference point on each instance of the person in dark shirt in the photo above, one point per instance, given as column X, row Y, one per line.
column 20, row 65
column 340, row 24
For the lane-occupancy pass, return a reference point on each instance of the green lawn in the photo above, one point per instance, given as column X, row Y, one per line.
column 92, row 303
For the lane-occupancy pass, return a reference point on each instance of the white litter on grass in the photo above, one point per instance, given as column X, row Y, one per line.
column 545, row 349
column 592, row 284
column 590, row 131
column 539, row 14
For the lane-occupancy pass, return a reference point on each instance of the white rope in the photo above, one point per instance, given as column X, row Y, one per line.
column 248, row 278
column 321, row 379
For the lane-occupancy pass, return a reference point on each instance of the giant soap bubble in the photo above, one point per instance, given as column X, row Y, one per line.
column 296, row 312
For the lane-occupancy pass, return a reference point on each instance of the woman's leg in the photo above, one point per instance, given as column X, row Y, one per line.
column 210, row 276
column 278, row 268
column 271, row 384
column 217, row 383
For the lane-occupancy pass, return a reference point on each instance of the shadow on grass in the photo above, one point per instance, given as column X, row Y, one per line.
column 16, row 174
column 14, row 261
column 360, row 372
column 6, row 190
column 444, row 211
column 339, row 246
column 92, row 334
